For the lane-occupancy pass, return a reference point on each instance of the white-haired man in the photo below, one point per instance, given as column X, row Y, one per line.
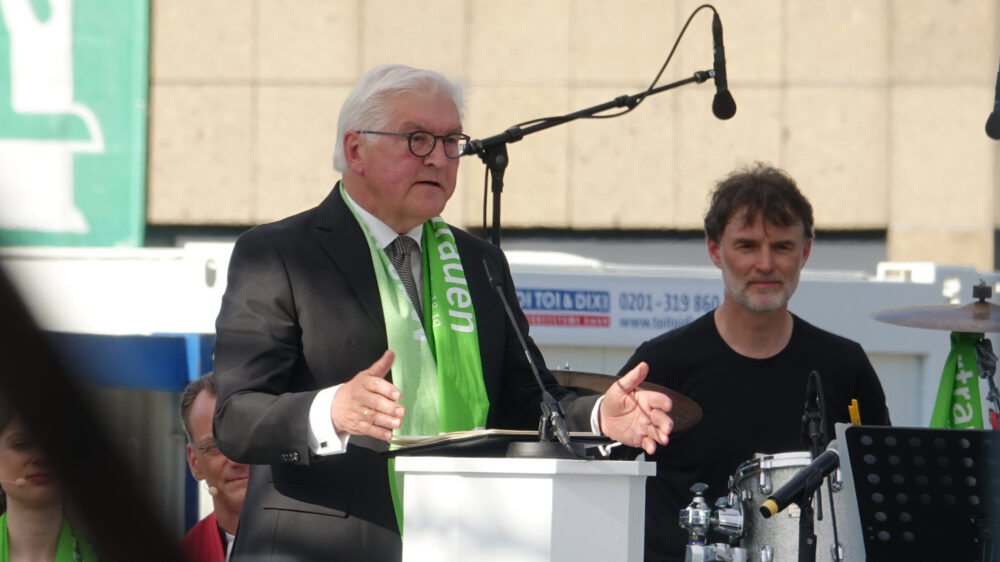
column 320, row 306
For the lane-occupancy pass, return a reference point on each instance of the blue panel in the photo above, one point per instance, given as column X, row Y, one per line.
column 157, row 362
column 199, row 352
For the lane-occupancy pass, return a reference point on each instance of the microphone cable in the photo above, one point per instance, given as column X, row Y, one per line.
column 652, row 85
column 817, row 380
column 641, row 97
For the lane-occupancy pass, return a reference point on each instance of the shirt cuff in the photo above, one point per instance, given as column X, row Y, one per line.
column 595, row 427
column 324, row 439
column 595, row 417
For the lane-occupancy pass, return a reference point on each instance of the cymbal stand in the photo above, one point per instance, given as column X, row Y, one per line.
column 986, row 360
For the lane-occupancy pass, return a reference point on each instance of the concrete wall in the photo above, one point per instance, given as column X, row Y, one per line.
column 876, row 106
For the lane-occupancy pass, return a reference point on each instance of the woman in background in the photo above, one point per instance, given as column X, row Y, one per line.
column 33, row 527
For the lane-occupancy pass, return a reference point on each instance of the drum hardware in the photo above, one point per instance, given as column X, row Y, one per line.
column 814, row 427
column 815, row 435
column 744, row 495
column 804, row 491
column 720, row 552
column 837, row 484
column 986, row 360
column 697, row 519
column 696, row 516
column 807, row 530
column 764, row 484
column 978, row 317
column 748, row 535
column 728, row 518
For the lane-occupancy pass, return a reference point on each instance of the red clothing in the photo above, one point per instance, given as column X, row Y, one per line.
column 202, row 543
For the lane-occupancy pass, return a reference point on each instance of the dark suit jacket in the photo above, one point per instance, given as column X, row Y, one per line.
column 301, row 312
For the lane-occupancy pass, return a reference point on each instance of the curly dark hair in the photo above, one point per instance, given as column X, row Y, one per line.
column 759, row 190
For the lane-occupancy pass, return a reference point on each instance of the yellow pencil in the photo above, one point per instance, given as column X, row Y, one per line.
column 855, row 412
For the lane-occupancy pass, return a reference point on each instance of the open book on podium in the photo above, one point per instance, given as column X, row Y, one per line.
column 481, row 443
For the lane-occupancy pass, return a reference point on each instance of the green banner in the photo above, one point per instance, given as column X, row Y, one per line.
column 73, row 100
column 958, row 405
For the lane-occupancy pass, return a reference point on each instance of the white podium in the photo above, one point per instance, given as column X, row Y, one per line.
column 524, row 509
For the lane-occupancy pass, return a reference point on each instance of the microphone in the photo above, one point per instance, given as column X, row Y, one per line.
column 19, row 482
column 993, row 121
column 551, row 411
column 213, row 491
column 813, row 418
column 804, row 483
column 723, row 105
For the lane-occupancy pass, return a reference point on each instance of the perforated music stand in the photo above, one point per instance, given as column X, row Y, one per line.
column 926, row 494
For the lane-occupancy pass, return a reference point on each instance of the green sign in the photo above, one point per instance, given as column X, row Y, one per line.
column 958, row 405
column 73, row 91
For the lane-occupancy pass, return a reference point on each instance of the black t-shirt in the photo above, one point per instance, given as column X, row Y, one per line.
column 748, row 406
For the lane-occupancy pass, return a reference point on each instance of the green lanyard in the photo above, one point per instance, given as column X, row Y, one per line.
column 438, row 368
column 69, row 548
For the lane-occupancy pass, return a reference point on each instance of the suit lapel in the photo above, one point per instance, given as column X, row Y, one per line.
column 343, row 240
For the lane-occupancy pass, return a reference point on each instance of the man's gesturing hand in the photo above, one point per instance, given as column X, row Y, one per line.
column 635, row 416
column 366, row 404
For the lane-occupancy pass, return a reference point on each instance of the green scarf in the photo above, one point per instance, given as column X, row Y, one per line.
column 69, row 548
column 438, row 369
column 957, row 405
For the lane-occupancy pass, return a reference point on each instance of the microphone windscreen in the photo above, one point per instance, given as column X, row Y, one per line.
column 21, row 482
column 768, row 508
column 213, row 491
column 723, row 105
column 993, row 125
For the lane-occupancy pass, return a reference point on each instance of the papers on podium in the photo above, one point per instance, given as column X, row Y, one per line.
column 476, row 442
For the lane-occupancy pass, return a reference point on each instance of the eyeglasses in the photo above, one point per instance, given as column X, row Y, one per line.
column 422, row 143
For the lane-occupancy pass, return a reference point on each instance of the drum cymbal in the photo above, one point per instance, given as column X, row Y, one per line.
column 685, row 412
column 975, row 317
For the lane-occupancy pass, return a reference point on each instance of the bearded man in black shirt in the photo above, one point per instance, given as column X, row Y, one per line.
column 747, row 362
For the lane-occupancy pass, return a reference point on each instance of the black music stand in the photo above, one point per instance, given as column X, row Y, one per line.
column 927, row 494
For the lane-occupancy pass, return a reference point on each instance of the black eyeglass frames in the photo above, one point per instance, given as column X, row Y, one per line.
column 422, row 143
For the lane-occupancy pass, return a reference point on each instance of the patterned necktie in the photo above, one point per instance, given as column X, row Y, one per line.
column 401, row 248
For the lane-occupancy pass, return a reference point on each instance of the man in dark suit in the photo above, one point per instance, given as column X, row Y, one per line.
column 315, row 316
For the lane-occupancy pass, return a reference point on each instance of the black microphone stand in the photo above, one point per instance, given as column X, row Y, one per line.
column 812, row 418
column 553, row 437
column 493, row 150
column 807, row 534
column 986, row 359
column 813, row 427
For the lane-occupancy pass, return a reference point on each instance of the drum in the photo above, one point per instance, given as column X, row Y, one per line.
column 776, row 539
